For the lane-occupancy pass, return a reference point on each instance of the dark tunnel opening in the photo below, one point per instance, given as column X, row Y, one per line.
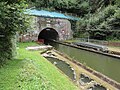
column 48, row 34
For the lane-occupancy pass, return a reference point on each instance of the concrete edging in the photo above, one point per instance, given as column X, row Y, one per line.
column 97, row 74
column 86, row 49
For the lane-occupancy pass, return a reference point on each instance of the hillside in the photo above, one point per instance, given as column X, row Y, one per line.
column 103, row 24
column 99, row 18
column 30, row 71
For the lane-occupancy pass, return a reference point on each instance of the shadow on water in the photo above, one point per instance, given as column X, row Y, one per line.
column 49, row 42
column 106, row 65
column 85, row 79
column 63, row 66
column 97, row 87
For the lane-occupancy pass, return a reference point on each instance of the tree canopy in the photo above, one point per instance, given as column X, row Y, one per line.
column 12, row 20
column 95, row 14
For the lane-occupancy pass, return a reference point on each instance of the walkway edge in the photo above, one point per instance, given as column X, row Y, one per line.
column 86, row 49
column 97, row 74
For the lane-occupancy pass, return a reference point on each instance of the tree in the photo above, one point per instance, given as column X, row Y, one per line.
column 12, row 19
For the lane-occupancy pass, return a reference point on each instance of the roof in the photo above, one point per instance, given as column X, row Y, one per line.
column 43, row 13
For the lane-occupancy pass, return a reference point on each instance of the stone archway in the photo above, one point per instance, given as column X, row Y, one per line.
column 48, row 34
column 47, row 28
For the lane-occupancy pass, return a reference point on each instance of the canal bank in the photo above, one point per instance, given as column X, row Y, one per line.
column 80, row 69
column 30, row 71
column 91, row 50
column 99, row 62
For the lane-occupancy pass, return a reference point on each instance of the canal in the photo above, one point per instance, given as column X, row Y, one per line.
column 106, row 65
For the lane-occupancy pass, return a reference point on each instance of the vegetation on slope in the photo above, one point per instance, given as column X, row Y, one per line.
column 77, row 7
column 12, row 20
column 30, row 71
column 99, row 18
column 104, row 25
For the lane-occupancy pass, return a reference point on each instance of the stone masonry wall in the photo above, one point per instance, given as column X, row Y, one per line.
column 62, row 26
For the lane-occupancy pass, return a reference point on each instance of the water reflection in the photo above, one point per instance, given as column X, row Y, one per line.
column 62, row 66
column 109, row 66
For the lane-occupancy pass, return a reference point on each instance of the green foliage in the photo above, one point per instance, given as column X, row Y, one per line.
column 117, row 2
column 10, row 1
column 30, row 71
column 7, row 48
column 117, row 14
column 77, row 7
column 95, row 14
column 106, row 19
column 12, row 20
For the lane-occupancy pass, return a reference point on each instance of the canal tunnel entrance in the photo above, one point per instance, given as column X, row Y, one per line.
column 48, row 34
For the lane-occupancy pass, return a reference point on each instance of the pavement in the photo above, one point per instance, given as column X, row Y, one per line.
column 116, row 49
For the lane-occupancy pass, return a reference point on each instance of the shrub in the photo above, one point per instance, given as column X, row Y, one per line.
column 12, row 20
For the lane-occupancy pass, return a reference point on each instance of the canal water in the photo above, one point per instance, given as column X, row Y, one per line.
column 106, row 65
column 63, row 66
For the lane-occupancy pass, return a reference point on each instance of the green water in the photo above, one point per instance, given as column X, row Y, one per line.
column 64, row 67
column 108, row 66
column 85, row 79
column 97, row 87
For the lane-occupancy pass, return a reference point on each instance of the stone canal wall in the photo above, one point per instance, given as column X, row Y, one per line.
column 116, row 44
column 91, row 50
column 97, row 74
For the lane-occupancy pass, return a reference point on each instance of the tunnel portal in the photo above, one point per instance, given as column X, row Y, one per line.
column 48, row 34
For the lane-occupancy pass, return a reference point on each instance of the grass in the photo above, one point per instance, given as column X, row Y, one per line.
column 112, row 48
column 30, row 71
column 114, row 40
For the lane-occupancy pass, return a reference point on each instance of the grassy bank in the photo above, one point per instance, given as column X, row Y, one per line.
column 30, row 71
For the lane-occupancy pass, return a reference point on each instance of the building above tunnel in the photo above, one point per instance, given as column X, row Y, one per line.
column 48, row 14
column 48, row 28
column 58, row 24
